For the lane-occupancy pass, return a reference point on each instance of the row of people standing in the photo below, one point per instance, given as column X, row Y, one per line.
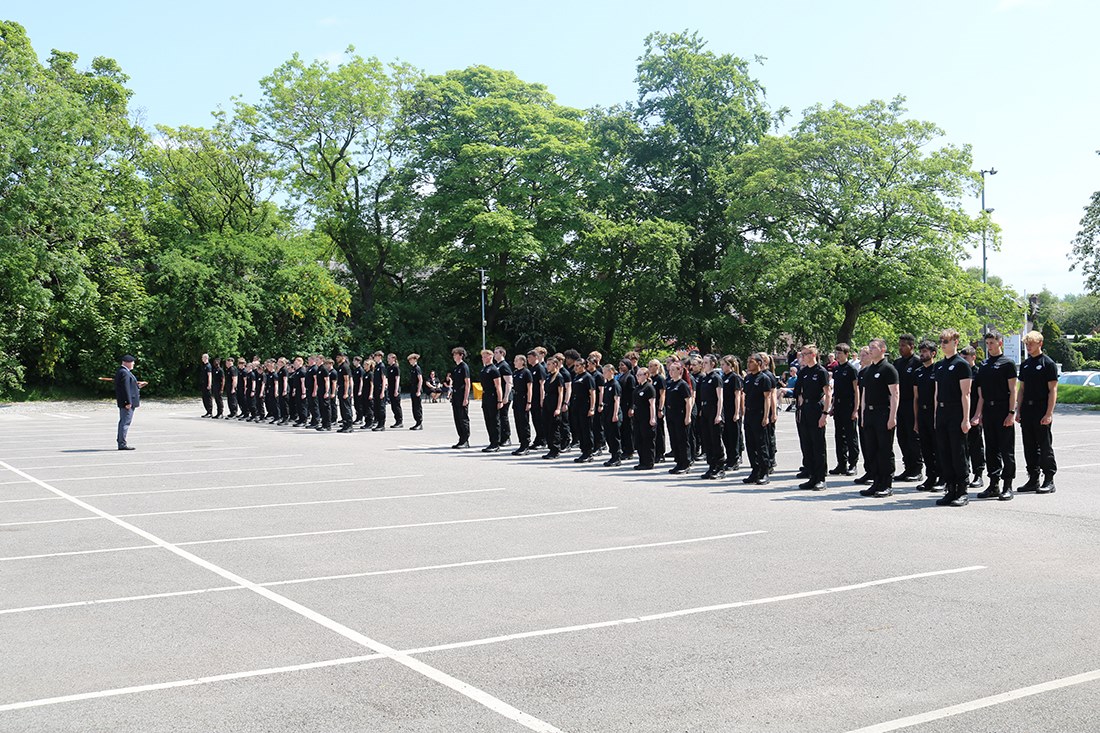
column 313, row 391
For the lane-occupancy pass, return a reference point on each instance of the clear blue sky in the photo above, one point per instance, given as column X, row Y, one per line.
column 1009, row 77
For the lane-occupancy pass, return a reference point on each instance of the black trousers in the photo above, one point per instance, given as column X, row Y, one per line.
column 368, row 411
column 812, row 441
column 908, row 441
column 326, row 412
column 461, row 414
column 927, row 424
column 314, row 410
column 243, row 406
column 568, row 426
column 879, row 445
column 284, row 407
column 975, row 451
column 770, row 430
column 258, row 410
column 218, row 401
column 645, row 440
column 626, row 434
column 734, row 441
column 711, row 435
column 695, row 445
column 951, row 445
column 554, row 431
column 272, row 404
column 231, row 398
column 346, row 415
column 659, row 441
column 379, row 412
column 583, row 429
column 418, row 408
column 395, row 408
column 756, row 444
column 678, row 440
column 357, row 400
column 492, row 420
column 207, row 401
column 1038, row 442
column 505, row 423
column 1000, row 444
column 597, row 430
column 845, row 436
column 523, row 424
column 611, row 430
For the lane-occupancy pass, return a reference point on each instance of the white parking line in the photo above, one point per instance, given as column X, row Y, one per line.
column 371, row 573
column 163, row 460
column 251, row 469
column 220, row 488
column 479, row 696
column 84, row 453
column 980, row 703
column 491, row 640
column 311, row 534
column 252, row 506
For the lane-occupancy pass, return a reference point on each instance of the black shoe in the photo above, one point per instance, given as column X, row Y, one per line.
column 818, row 486
column 378, row 429
column 762, row 480
column 929, row 484
column 319, row 429
column 864, row 480
column 126, row 447
column 707, row 474
column 868, row 492
column 640, row 467
column 519, row 451
column 961, row 499
column 1048, row 485
column 848, row 472
column 945, row 499
column 838, row 471
column 903, row 476
column 612, row 463
column 506, row 443
column 806, row 485
column 719, row 474
column 463, row 444
column 206, row 415
column 802, row 473
column 628, row 456
column 751, row 478
column 1031, row 485
column 670, row 454
column 976, row 482
column 677, row 470
column 1006, row 493
column 397, row 425
column 583, row 459
column 993, row 492
column 551, row 455
column 491, row 449
column 735, row 466
column 418, row 426
column 538, row 444
column 883, row 492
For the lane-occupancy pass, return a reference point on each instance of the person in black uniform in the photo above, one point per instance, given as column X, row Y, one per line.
column 1038, row 395
column 645, row 421
column 297, row 390
column 657, row 379
column 975, row 445
column 492, row 400
column 814, row 404
column 996, row 414
column 864, row 362
column 769, row 373
column 243, row 408
column 879, row 418
column 206, row 382
column 536, row 358
column 259, row 404
column 692, row 376
column 583, row 409
column 312, row 383
column 323, row 386
column 378, row 391
column 908, row 442
column 460, row 397
column 594, row 361
column 369, row 420
column 230, row 386
column 733, row 405
column 552, row 404
column 925, row 379
column 416, row 391
column 952, row 419
column 570, row 430
column 759, row 394
column 612, row 416
column 627, row 383
column 271, row 391
column 128, row 398
column 505, row 371
column 678, row 414
column 282, row 383
column 845, row 413
column 523, row 394
column 344, row 385
column 711, row 396
column 216, row 383
column 357, row 373
column 393, row 380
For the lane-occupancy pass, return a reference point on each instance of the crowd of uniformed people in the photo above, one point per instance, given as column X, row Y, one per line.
column 953, row 418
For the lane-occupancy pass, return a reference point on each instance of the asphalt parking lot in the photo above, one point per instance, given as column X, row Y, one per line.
column 228, row 576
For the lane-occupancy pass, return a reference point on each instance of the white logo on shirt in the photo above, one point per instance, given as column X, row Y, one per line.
column 951, row 368
column 877, row 376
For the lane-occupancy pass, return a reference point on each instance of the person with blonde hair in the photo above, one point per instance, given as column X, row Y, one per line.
column 553, row 398
column 657, row 379
column 1038, row 383
column 953, row 378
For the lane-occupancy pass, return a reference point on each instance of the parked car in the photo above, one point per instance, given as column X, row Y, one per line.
column 1080, row 379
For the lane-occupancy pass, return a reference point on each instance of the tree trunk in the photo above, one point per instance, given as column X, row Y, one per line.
column 848, row 326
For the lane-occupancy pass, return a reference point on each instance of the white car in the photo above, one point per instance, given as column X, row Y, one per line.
column 1080, row 379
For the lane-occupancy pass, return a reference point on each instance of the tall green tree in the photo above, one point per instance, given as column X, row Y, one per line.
column 1086, row 245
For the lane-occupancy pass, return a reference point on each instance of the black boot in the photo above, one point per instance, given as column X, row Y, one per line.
column 949, row 496
column 1048, row 485
column 1032, row 483
column 1006, row 492
column 961, row 499
column 994, row 490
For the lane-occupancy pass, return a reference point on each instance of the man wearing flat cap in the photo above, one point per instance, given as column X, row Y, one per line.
column 128, row 396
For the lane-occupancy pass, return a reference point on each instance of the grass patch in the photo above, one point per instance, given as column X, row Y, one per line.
column 1072, row 394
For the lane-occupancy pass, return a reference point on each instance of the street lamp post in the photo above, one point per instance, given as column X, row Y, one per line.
column 992, row 171
column 482, row 271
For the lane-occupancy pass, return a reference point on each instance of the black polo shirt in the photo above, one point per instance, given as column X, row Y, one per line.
column 583, row 384
column 925, row 377
column 552, row 389
column 812, row 381
column 877, row 379
column 844, row 388
column 994, row 375
column 732, row 383
column 612, row 390
column 642, row 395
column 460, row 378
column 505, row 371
column 906, row 368
column 950, row 373
column 1037, row 373
column 344, row 370
column 520, row 379
column 756, row 386
column 415, row 378
column 677, row 394
column 489, row 375
column 709, row 384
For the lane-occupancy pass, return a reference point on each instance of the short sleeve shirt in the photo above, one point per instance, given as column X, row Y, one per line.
column 993, row 377
column 489, row 375
column 520, row 379
column 676, row 396
column 877, row 379
column 812, row 382
column 844, row 376
column 460, row 377
column 950, row 373
column 1037, row 373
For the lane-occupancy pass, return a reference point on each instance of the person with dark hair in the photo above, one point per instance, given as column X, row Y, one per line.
column 523, row 392
column 996, row 414
column 206, row 382
column 128, row 398
column 298, row 394
column 314, row 391
column 975, row 445
column 536, row 362
column 952, row 419
column 711, row 397
column 879, row 418
column 357, row 373
column 678, row 400
column 244, row 409
column 759, row 394
column 583, row 409
column 460, row 397
column 492, row 400
column 925, row 407
column 553, row 400
column 570, row 430
column 593, row 362
column 344, row 384
column 907, row 363
column 612, row 416
column 628, row 383
column 814, row 403
column 733, row 404
column 378, row 390
column 845, row 413
column 416, row 379
column 216, row 383
column 1038, row 395
column 393, row 379
column 505, row 371
column 645, row 420
column 282, row 389
column 230, row 385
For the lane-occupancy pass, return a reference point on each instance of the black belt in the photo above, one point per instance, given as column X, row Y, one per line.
column 877, row 407
column 926, row 407
column 951, row 404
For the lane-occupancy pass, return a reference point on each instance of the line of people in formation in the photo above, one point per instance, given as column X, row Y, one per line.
column 953, row 418
column 313, row 391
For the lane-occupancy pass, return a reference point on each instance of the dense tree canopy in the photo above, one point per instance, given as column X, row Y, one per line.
column 351, row 205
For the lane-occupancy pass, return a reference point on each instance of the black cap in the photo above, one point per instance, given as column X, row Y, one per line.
column 128, row 358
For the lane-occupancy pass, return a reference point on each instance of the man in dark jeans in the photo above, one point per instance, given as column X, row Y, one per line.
column 492, row 400
column 128, row 397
